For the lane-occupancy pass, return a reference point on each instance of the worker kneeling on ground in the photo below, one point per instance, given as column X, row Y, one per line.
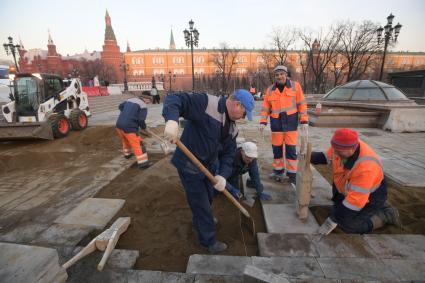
column 210, row 134
column 132, row 117
column 359, row 188
column 246, row 161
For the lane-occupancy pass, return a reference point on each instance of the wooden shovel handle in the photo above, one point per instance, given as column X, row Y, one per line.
column 210, row 176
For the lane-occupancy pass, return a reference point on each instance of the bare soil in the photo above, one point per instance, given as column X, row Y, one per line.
column 161, row 220
column 410, row 201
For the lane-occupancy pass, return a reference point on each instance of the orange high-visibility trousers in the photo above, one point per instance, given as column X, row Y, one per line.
column 132, row 141
column 285, row 142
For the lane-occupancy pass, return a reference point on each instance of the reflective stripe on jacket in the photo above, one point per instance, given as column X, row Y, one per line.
column 364, row 178
column 290, row 101
column 203, row 133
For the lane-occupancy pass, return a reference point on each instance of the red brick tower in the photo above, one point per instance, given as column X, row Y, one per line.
column 54, row 62
column 111, row 54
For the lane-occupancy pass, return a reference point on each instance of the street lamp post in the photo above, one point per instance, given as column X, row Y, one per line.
column 13, row 48
column 390, row 33
column 125, row 67
column 191, row 37
column 171, row 77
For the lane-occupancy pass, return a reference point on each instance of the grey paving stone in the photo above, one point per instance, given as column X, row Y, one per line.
column 254, row 274
column 285, row 245
column 397, row 246
column 205, row 278
column 344, row 245
column 281, row 193
column 106, row 276
column 20, row 263
column 294, row 267
column 321, row 189
column 217, row 264
column 62, row 235
column 406, row 270
column 24, row 233
column 94, row 212
column 356, row 269
column 282, row 218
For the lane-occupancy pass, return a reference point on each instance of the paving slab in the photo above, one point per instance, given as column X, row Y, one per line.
column 293, row 267
column 254, row 274
column 356, row 269
column 281, row 193
column 344, row 245
column 21, row 263
column 407, row 270
column 397, row 246
column 282, row 218
column 62, row 235
column 24, row 233
column 217, row 264
column 206, row 278
column 321, row 190
column 285, row 245
column 93, row 212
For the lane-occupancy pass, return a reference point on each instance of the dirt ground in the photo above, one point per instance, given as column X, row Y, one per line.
column 161, row 220
column 410, row 202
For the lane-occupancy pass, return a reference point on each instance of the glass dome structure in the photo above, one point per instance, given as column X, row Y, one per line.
column 365, row 90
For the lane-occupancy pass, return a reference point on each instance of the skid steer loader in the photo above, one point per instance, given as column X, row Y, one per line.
column 44, row 107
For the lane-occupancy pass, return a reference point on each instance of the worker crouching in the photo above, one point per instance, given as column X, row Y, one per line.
column 359, row 187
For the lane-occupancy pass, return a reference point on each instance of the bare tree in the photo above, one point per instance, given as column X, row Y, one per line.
column 322, row 48
column 282, row 40
column 225, row 59
column 359, row 47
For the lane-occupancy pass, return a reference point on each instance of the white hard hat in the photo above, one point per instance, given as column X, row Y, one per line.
column 280, row 68
column 250, row 149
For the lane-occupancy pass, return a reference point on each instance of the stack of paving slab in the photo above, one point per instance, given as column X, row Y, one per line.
column 290, row 250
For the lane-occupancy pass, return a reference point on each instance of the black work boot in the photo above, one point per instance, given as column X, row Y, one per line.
column 128, row 156
column 278, row 177
column 217, row 247
column 144, row 165
column 391, row 216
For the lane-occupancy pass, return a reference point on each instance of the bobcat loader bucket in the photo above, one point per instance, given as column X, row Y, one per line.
column 25, row 131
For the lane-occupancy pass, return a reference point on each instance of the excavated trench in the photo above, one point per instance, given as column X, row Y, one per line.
column 161, row 220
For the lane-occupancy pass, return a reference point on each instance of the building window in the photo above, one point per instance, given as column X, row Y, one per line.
column 404, row 61
column 138, row 73
column 418, row 62
column 199, row 71
column 241, row 59
column 158, row 60
column 178, row 71
column 158, row 72
column 260, row 59
column 199, row 59
column 241, row 71
column 178, row 60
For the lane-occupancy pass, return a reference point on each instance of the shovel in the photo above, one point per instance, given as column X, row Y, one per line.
column 164, row 146
column 247, row 220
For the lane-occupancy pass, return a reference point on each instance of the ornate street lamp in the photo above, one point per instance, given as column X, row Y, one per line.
column 13, row 48
column 191, row 37
column 171, row 77
column 125, row 68
column 391, row 33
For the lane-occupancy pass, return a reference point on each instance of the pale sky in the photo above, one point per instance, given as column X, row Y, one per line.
column 76, row 25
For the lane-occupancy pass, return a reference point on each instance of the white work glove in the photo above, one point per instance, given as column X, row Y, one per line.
column 171, row 130
column 262, row 127
column 327, row 227
column 303, row 130
column 221, row 183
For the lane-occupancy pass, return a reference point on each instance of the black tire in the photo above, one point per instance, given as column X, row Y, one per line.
column 60, row 125
column 78, row 120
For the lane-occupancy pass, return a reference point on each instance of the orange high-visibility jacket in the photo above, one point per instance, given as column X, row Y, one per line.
column 363, row 179
column 290, row 101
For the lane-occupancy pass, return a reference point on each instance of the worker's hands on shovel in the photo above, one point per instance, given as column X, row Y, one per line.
column 220, row 184
column 171, row 131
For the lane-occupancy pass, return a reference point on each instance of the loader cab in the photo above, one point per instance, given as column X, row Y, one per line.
column 30, row 90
